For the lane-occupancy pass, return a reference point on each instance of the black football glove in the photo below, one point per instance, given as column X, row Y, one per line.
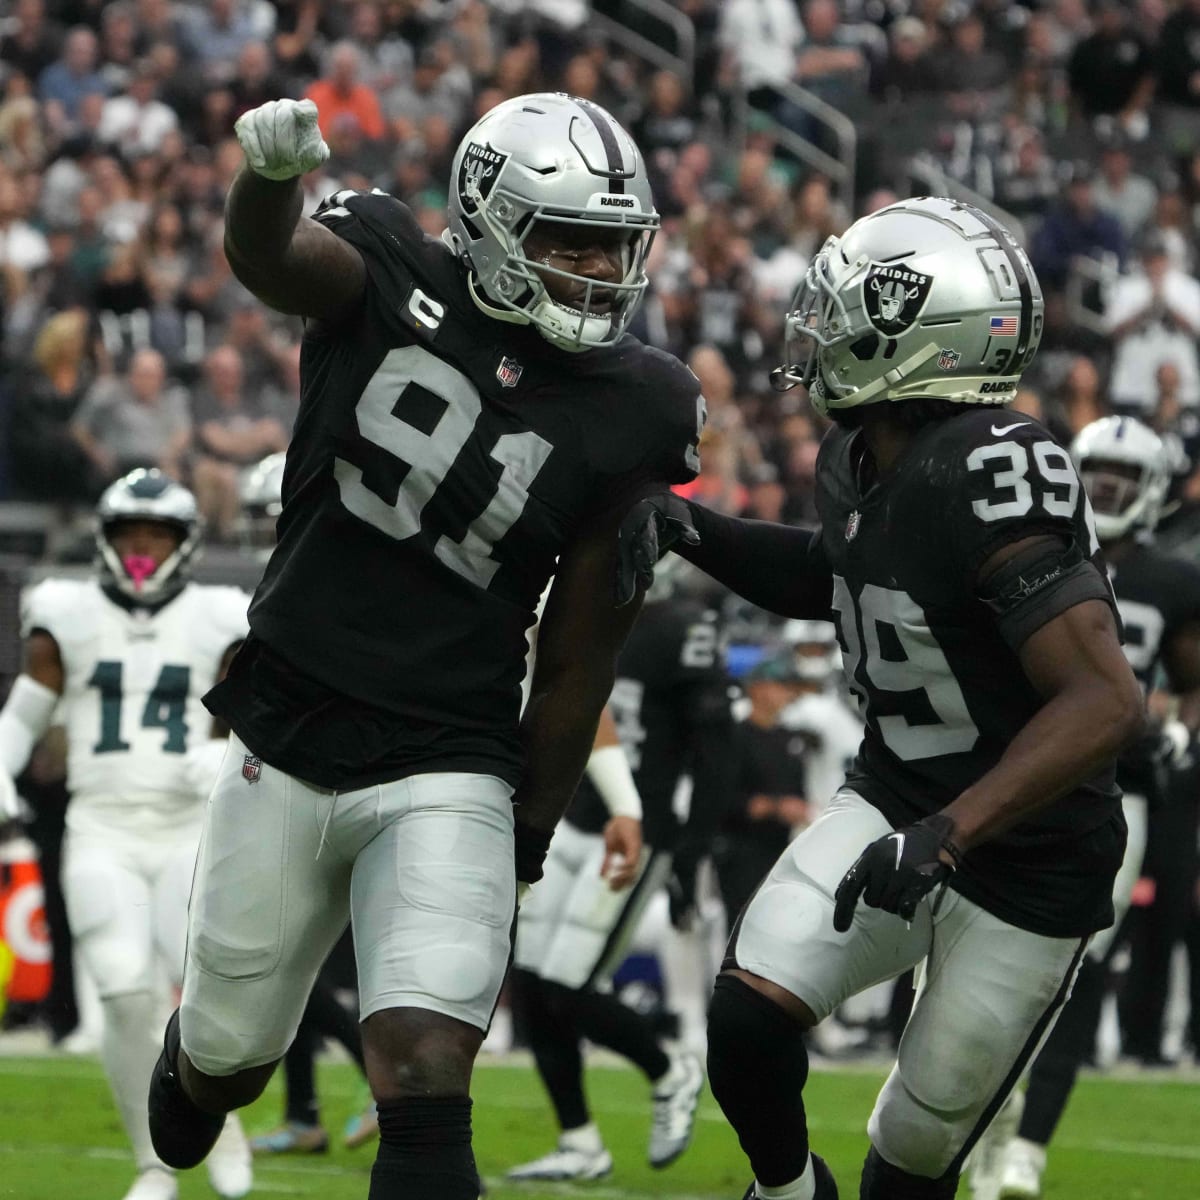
column 648, row 530
column 897, row 871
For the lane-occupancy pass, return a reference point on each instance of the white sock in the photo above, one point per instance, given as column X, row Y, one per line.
column 672, row 1077
column 803, row 1188
column 584, row 1138
column 129, row 1050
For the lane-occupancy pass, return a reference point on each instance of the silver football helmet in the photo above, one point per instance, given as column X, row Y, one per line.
column 147, row 495
column 261, row 491
column 924, row 298
column 549, row 157
column 1125, row 470
column 815, row 648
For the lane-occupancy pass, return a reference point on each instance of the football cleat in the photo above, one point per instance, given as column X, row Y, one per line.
column 986, row 1160
column 675, row 1111
column 228, row 1163
column 826, row 1185
column 182, row 1133
column 154, row 1183
column 1021, row 1171
column 565, row 1163
column 363, row 1127
column 292, row 1138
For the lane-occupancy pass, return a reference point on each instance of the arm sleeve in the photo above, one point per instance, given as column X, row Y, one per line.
column 781, row 568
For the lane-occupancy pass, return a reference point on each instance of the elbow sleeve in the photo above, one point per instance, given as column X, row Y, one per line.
column 25, row 717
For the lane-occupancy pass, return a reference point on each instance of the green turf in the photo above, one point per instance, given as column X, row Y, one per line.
column 60, row 1139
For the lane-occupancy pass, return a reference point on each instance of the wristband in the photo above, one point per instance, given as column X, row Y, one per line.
column 529, row 851
column 608, row 769
column 26, row 716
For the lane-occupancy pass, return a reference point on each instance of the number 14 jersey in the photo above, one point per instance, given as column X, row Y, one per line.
column 941, row 691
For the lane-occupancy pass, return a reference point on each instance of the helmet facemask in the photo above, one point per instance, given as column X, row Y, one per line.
column 1123, row 466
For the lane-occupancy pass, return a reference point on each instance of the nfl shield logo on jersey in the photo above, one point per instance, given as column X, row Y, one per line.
column 509, row 371
column 251, row 768
column 852, row 524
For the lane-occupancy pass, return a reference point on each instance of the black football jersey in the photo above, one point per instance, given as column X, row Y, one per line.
column 672, row 708
column 441, row 461
column 941, row 692
column 1157, row 595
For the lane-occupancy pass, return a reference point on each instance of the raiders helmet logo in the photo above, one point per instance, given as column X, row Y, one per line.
column 477, row 175
column 893, row 297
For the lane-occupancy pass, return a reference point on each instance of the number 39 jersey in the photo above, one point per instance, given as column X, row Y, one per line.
column 941, row 691
column 442, row 459
column 133, row 682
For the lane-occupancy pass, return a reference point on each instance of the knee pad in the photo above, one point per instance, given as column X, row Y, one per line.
column 882, row 1181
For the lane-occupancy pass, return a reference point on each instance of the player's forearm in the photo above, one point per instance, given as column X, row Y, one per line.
column 1071, row 739
column 777, row 567
column 261, row 216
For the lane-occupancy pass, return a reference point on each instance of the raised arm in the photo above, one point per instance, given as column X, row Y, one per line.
column 289, row 262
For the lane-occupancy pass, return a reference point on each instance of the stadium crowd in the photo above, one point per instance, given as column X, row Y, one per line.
column 126, row 340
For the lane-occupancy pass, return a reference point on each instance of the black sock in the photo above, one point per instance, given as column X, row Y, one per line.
column 425, row 1151
column 882, row 1181
column 299, row 1076
column 554, row 1041
column 1070, row 1042
column 757, row 1068
column 603, row 1019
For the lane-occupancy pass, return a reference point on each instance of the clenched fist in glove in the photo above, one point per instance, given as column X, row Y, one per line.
column 898, row 871
column 281, row 139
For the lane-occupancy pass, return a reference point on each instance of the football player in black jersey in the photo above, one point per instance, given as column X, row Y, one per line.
column 1125, row 468
column 473, row 419
column 671, row 707
column 980, row 824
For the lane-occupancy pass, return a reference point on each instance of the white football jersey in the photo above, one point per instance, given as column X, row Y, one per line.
column 835, row 731
column 132, row 683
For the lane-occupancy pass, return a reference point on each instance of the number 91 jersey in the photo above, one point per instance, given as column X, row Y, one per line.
column 133, row 682
column 442, row 459
column 941, row 691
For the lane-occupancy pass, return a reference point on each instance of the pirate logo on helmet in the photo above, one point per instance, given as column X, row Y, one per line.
column 477, row 175
column 893, row 297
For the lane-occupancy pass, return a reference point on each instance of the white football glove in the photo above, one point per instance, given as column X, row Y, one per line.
column 281, row 139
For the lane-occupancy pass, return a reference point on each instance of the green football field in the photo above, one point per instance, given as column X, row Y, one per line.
column 60, row 1139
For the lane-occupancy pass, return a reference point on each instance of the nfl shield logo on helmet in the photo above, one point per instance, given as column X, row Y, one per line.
column 509, row 371
column 251, row 768
column 948, row 360
column 852, row 524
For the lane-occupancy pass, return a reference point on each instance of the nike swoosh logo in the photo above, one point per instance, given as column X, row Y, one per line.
column 898, row 838
column 1000, row 430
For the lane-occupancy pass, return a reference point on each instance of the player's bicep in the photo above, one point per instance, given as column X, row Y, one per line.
column 43, row 661
column 320, row 276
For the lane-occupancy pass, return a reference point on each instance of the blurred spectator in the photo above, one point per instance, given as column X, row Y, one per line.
column 45, row 461
column 134, row 421
column 217, row 30
column 343, row 93
column 904, row 71
column 136, row 122
column 1153, row 317
column 22, row 147
column 1078, row 401
column 231, row 432
column 830, row 64
column 1027, row 177
column 264, row 354
column 1119, row 190
column 967, row 71
column 1178, row 58
column 1111, row 72
column 66, row 81
column 667, row 122
column 118, row 44
column 21, row 245
column 759, row 40
column 387, row 59
column 438, row 87
column 32, row 41
column 1076, row 228
column 1172, row 222
column 255, row 80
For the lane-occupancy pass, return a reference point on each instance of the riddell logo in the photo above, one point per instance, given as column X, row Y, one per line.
column 616, row 202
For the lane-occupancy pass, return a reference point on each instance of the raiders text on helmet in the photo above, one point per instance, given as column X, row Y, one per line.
column 147, row 495
column 549, row 157
column 925, row 298
column 1124, row 468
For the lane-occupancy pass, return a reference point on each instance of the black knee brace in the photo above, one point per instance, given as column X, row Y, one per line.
column 425, row 1150
column 757, row 1068
column 882, row 1181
